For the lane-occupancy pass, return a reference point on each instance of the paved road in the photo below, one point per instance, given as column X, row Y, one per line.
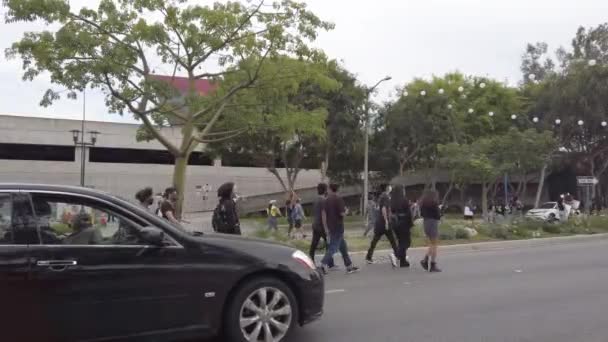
column 553, row 293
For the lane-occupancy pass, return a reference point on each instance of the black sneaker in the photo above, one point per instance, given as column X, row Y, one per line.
column 393, row 259
column 323, row 269
column 352, row 269
column 434, row 268
column 404, row 264
column 425, row 264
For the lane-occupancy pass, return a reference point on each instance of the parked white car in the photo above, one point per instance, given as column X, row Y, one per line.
column 549, row 212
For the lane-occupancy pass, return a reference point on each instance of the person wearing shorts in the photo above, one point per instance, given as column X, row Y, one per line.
column 431, row 215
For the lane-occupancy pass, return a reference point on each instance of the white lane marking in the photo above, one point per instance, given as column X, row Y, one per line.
column 407, row 283
column 518, row 271
column 335, row 291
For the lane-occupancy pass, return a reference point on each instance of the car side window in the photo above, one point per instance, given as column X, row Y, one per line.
column 6, row 219
column 17, row 220
column 72, row 220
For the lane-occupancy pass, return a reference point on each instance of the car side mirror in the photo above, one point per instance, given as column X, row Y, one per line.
column 153, row 235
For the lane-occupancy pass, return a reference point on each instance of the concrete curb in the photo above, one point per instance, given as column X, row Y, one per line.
column 512, row 244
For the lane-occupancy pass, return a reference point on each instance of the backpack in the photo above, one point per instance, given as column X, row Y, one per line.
column 219, row 220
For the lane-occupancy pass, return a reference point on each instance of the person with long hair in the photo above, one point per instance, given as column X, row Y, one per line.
column 382, row 226
column 402, row 223
column 227, row 221
column 145, row 197
column 431, row 214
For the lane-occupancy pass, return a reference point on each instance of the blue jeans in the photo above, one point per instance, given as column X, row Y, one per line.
column 336, row 243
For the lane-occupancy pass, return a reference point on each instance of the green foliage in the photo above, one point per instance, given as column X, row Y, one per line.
column 461, row 233
column 286, row 117
column 552, row 228
column 117, row 47
column 436, row 112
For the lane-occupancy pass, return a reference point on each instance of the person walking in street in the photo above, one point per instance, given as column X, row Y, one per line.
column 319, row 227
column 334, row 212
column 225, row 216
column 402, row 223
column 273, row 213
column 382, row 227
column 298, row 218
column 371, row 214
column 429, row 210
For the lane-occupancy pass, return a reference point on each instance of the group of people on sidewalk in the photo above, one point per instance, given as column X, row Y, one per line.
column 294, row 212
column 225, row 217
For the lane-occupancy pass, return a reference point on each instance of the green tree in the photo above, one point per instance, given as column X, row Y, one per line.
column 452, row 108
column 287, row 118
column 118, row 46
column 576, row 94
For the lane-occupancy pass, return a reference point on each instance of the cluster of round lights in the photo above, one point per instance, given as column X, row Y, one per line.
column 482, row 85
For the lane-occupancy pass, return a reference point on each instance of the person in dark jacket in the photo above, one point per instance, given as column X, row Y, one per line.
column 431, row 214
column 382, row 227
column 226, row 194
column 319, row 225
column 401, row 223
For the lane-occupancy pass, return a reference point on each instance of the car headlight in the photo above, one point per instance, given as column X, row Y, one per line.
column 303, row 259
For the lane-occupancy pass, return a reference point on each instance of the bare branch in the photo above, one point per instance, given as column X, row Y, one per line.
column 209, row 141
column 142, row 113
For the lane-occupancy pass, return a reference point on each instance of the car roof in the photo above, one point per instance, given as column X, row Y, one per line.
column 59, row 188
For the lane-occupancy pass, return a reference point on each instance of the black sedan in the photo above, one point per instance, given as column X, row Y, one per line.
column 81, row 265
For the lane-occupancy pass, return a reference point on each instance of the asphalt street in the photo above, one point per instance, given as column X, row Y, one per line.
column 555, row 293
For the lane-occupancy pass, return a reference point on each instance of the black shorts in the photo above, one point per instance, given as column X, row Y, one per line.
column 298, row 223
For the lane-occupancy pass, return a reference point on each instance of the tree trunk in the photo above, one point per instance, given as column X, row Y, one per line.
column 179, row 183
column 541, row 183
column 447, row 193
column 276, row 173
column 485, row 187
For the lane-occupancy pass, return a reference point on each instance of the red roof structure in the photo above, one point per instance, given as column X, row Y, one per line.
column 203, row 86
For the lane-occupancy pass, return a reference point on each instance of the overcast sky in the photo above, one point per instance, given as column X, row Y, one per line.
column 400, row 38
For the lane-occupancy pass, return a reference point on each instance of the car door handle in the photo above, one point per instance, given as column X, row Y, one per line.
column 56, row 263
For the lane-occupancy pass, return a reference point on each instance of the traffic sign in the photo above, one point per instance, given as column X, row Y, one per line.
column 586, row 180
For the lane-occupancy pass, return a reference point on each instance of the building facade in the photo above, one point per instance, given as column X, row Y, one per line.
column 42, row 150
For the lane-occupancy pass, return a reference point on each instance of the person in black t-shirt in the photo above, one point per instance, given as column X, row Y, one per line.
column 382, row 227
column 227, row 207
column 432, row 215
column 167, row 207
column 318, row 222
column 402, row 223
column 334, row 212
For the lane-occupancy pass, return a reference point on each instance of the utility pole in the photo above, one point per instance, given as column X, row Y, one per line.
column 366, row 153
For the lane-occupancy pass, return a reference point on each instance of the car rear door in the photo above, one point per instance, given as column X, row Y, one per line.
column 108, row 283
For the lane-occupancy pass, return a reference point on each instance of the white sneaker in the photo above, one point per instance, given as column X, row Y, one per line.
column 393, row 259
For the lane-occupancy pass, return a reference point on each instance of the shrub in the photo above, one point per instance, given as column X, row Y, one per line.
column 446, row 233
column 552, row 228
column 461, row 233
column 499, row 232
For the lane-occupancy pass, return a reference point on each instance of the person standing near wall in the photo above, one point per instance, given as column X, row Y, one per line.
column 298, row 218
column 225, row 216
column 273, row 214
column 401, row 223
column 431, row 214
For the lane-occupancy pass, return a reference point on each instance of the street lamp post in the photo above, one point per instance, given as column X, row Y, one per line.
column 366, row 157
column 78, row 137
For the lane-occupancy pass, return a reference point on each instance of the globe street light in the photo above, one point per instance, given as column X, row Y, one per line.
column 441, row 91
column 423, row 93
column 558, row 121
column 580, row 122
column 513, row 117
column 482, row 85
column 366, row 157
column 535, row 119
column 471, row 110
column 604, row 123
column 491, row 113
column 592, row 62
column 460, row 89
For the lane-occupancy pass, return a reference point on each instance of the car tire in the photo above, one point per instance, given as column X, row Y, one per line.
column 247, row 316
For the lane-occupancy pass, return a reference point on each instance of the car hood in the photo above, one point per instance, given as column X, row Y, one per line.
column 539, row 211
column 254, row 246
